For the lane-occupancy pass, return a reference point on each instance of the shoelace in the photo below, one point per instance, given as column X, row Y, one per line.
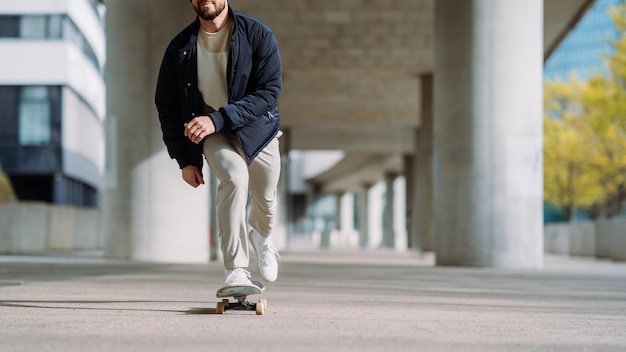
column 269, row 253
column 237, row 272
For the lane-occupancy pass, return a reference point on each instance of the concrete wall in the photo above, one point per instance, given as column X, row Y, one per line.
column 605, row 229
column 556, row 239
column 611, row 239
column 37, row 228
column 605, row 239
column 583, row 239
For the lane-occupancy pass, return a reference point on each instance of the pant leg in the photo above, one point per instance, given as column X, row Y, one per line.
column 264, row 175
column 223, row 154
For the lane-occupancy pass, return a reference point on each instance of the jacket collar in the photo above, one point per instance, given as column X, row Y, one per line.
column 194, row 27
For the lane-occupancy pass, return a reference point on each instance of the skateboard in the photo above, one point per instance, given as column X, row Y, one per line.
column 240, row 293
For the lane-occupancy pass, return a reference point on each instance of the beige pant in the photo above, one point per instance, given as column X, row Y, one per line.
column 224, row 155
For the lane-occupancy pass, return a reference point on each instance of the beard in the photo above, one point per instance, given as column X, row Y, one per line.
column 207, row 14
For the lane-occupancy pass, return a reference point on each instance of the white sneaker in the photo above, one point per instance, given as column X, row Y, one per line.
column 266, row 255
column 237, row 277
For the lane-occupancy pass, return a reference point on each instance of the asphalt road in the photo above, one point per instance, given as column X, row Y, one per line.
column 323, row 301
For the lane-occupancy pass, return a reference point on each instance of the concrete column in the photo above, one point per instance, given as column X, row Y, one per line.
column 364, row 215
column 338, row 211
column 311, row 215
column 399, row 215
column 394, row 235
column 488, row 133
column 370, row 216
column 394, row 224
column 284, row 229
column 344, row 217
column 389, row 240
column 423, row 209
column 409, row 172
column 149, row 212
column 344, row 234
column 281, row 235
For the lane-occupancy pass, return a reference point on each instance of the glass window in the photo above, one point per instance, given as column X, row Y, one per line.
column 9, row 26
column 55, row 26
column 34, row 118
column 33, row 27
column 73, row 35
column 42, row 27
column 47, row 27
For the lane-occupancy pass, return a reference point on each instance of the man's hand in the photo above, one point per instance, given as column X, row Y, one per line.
column 192, row 176
column 199, row 128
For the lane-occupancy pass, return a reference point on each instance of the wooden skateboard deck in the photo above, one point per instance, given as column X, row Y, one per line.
column 240, row 293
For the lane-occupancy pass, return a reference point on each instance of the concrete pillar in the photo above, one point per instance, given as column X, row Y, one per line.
column 394, row 235
column 389, row 211
column 399, row 215
column 338, row 197
column 423, row 209
column 345, row 212
column 281, row 236
column 364, row 215
column 394, row 224
column 311, row 216
column 370, row 215
column 149, row 212
column 488, row 165
column 344, row 220
column 409, row 172
column 284, row 228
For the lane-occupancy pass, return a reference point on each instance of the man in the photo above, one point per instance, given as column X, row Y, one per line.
column 217, row 95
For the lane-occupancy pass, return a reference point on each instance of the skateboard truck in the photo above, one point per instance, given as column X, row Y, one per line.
column 241, row 304
column 240, row 293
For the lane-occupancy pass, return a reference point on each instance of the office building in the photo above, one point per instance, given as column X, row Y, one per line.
column 52, row 99
column 584, row 50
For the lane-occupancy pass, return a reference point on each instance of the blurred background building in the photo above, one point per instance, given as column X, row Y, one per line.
column 583, row 51
column 52, row 99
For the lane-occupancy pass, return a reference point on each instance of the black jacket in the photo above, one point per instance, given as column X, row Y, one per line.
column 254, row 75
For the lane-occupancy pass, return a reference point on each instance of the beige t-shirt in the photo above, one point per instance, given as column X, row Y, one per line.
column 213, row 51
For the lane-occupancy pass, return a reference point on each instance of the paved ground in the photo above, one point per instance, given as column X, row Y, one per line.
column 325, row 301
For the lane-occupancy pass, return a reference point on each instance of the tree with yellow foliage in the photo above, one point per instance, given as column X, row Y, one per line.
column 6, row 190
column 569, row 180
column 585, row 137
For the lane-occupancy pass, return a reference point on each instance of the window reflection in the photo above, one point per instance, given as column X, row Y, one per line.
column 34, row 116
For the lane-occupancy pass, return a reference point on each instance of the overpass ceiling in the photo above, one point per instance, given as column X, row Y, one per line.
column 351, row 73
column 356, row 170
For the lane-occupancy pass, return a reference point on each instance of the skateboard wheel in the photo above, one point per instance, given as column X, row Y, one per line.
column 219, row 308
column 260, row 307
column 225, row 302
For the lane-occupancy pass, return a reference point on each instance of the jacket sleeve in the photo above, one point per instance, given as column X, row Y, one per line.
column 168, row 107
column 265, row 80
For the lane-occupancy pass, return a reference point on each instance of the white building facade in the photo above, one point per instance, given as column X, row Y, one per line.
column 52, row 99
